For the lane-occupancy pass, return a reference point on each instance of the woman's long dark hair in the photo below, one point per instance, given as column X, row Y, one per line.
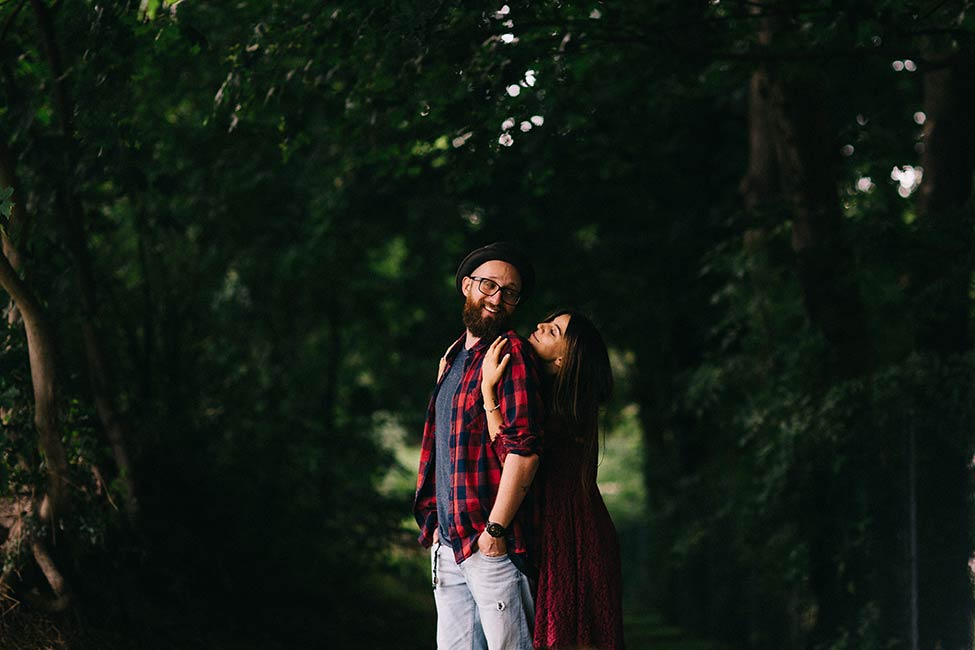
column 583, row 383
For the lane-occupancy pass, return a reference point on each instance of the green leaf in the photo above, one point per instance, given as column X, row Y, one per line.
column 6, row 205
column 152, row 8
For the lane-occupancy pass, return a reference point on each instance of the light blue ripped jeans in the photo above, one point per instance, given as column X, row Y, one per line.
column 483, row 603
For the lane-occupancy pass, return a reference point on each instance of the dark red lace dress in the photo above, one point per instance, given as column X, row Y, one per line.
column 579, row 601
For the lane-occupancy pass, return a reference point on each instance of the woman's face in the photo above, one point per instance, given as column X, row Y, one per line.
column 548, row 340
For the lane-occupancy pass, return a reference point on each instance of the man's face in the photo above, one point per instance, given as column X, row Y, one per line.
column 487, row 316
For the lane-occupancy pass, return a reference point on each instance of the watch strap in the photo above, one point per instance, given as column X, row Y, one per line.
column 495, row 529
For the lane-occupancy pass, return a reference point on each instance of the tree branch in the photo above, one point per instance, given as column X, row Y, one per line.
column 10, row 19
column 71, row 211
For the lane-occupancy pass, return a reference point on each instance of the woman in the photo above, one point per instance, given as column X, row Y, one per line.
column 579, row 601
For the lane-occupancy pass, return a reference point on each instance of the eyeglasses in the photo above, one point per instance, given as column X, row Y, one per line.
column 489, row 287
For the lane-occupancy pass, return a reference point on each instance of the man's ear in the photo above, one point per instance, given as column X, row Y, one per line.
column 465, row 285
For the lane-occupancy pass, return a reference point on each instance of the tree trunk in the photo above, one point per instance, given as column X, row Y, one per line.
column 947, row 158
column 791, row 159
column 761, row 182
column 71, row 213
column 14, row 510
column 14, row 513
column 13, row 234
column 941, row 284
column 762, row 192
column 829, row 289
column 62, row 593
column 761, row 187
column 948, row 134
column 40, row 345
column 41, row 349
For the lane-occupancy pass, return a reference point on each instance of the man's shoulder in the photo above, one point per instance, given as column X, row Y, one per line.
column 515, row 340
column 524, row 368
column 519, row 346
column 454, row 347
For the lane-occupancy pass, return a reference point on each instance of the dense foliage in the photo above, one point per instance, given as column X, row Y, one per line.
column 255, row 214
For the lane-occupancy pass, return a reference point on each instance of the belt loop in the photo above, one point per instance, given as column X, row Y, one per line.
column 436, row 560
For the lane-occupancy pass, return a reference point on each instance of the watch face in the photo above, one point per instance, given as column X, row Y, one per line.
column 495, row 530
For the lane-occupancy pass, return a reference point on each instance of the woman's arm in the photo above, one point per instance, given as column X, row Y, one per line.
column 443, row 361
column 491, row 372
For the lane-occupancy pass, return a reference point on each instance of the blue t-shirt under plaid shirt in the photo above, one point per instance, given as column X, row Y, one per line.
column 445, row 416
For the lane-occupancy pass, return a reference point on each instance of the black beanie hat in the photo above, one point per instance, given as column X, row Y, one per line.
column 505, row 252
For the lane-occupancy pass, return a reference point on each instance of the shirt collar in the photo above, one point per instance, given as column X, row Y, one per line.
column 481, row 344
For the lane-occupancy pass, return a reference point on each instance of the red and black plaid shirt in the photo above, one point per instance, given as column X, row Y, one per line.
column 475, row 462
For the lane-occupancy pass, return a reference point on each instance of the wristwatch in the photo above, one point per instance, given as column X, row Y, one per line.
column 495, row 530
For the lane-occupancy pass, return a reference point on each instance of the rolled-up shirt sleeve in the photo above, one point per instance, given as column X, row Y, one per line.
column 521, row 404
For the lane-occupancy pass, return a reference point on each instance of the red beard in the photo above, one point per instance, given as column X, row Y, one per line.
column 481, row 326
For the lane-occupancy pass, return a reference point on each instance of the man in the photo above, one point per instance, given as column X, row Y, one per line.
column 469, row 490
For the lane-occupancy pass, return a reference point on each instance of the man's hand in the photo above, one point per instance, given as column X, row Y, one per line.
column 492, row 546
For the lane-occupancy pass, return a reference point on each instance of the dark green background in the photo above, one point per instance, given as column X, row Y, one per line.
column 275, row 196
